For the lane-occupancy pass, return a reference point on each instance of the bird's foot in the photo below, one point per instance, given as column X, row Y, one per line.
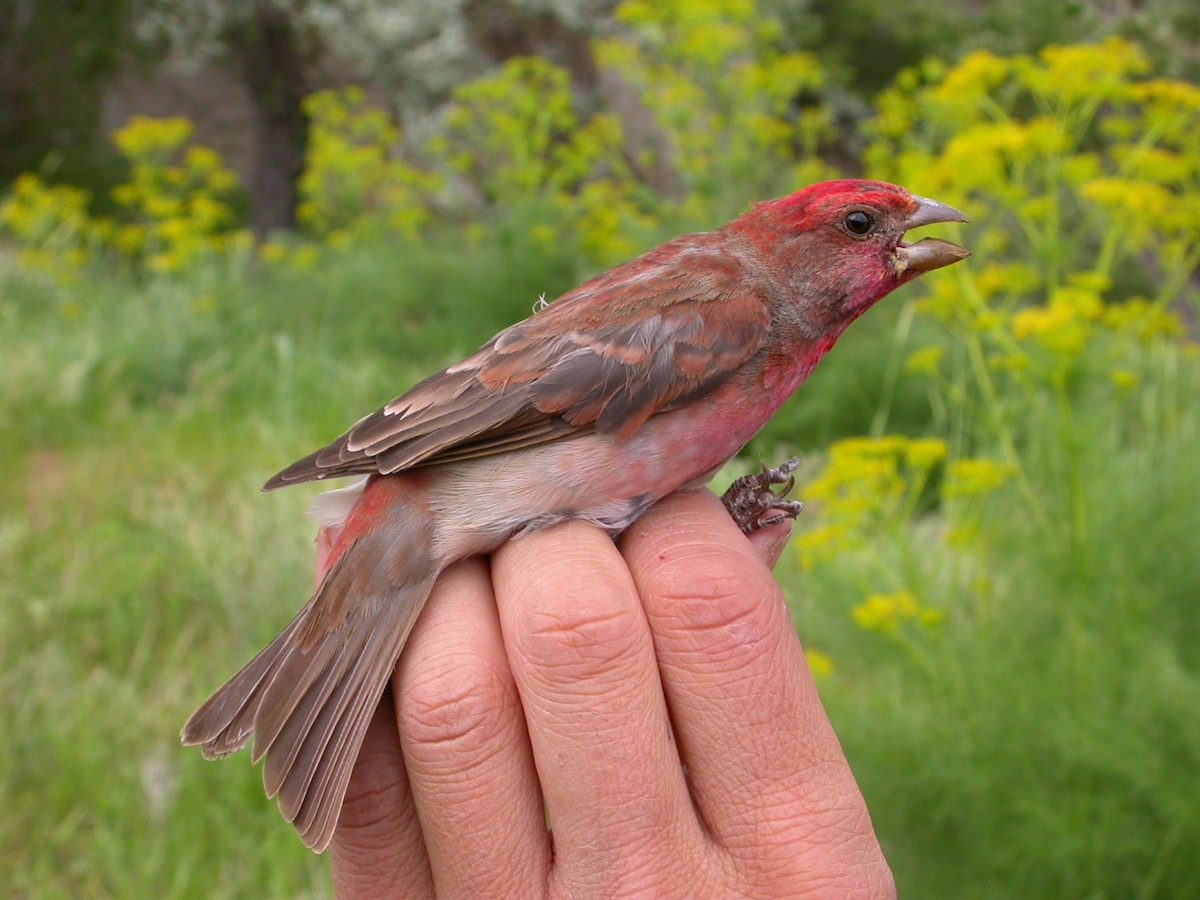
column 752, row 503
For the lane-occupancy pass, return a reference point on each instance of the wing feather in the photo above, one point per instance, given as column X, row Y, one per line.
column 643, row 338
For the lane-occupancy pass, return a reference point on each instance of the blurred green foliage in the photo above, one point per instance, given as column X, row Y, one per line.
column 353, row 178
column 996, row 577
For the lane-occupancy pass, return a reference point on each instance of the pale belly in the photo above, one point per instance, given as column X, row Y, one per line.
column 480, row 503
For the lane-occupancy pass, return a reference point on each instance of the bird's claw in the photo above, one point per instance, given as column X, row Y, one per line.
column 752, row 503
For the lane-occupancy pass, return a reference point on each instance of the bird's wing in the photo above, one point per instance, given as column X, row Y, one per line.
column 642, row 338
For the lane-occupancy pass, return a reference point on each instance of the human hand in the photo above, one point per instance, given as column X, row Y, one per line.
column 649, row 697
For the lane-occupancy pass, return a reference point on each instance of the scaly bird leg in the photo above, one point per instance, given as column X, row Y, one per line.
column 753, row 504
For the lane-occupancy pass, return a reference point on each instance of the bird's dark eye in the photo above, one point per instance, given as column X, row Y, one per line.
column 859, row 223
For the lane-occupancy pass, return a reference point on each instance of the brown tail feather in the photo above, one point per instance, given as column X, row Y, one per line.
column 308, row 697
column 225, row 721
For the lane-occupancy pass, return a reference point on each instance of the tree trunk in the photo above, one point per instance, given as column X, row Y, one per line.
column 268, row 52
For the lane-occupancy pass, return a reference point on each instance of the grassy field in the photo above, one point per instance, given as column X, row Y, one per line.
column 1039, row 736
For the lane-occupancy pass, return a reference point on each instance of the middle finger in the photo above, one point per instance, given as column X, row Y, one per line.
column 583, row 660
column 465, row 746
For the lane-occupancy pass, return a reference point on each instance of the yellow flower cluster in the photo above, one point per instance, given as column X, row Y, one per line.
column 354, row 181
column 1076, row 169
column 49, row 224
column 175, row 208
column 516, row 136
column 173, row 211
column 975, row 477
column 1071, row 162
column 888, row 613
column 723, row 93
column 876, row 498
column 867, row 485
column 820, row 664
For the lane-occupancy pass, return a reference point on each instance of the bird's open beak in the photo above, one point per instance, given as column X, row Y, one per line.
column 930, row 253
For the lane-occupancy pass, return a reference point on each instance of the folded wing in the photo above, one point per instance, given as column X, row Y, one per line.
column 643, row 338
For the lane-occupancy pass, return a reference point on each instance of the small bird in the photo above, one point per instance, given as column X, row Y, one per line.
column 642, row 381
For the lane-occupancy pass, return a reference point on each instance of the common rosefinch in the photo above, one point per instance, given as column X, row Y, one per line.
column 641, row 382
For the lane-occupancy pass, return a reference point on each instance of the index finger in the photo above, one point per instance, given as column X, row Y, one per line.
column 761, row 754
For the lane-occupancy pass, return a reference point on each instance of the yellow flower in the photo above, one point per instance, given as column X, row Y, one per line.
column 130, row 239
column 820, row 664
column 125, row 194
column 273, row 252
column 202, row 160
column 925, row 453
column 977, row 75
column 1124, row 380
column 822, row 543
column 925, row 361
column 1062, row 327
column 1086, row 71
column 306, row 257
column 1080, row 302
column 878, row 613
column 1142, row 320
column 144, row 137
column 886, row 613
column 974, row 477
column 162, row 207
column 163, row 263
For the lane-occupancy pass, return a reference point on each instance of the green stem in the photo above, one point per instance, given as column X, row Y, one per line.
column 892, row 373
column 999, row 426
column 1075, row 495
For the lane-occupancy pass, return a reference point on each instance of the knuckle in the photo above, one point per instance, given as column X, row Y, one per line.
column 576, row 640
column 828, row 850
column 462, row 704
column 369, row 811
column 642, row 864
column 719, row 612
column 375, row 813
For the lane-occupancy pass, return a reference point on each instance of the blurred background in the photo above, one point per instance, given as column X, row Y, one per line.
column 228, row 229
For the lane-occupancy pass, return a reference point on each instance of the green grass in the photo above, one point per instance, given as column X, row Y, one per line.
column 1043, row 742
column 1047, row 746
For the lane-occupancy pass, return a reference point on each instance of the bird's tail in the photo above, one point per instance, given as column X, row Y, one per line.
column 308, row 697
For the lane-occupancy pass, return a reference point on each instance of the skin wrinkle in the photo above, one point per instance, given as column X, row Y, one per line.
column 766, row 816
column 613, row 748
column 457, row 665
column 855, row 870
column 640, row 859
column 752, row 629
column 807, row 735
column 626, row 724
column 461, row 711
column 724, row 628
column 370, row 810
column 670, row 567
column 499, row 882
column 358, row 877
column 572, row 643
column 368, row 804
column 458, row 697
column 658, row 873
column 795, row 858
column 563, row 642
column 453, row 822
column 378, row 827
